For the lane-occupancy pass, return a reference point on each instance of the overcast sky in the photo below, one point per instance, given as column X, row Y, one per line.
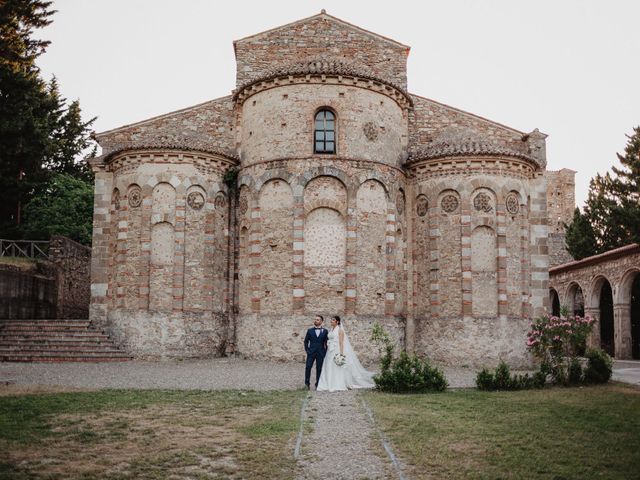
column 570, row 68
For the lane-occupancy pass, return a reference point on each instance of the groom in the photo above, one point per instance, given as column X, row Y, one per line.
column 315, row 344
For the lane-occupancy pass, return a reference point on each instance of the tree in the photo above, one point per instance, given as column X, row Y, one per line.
column 39, row 133
column 604, row 209
column 612, row 209
column 64, row 206
column 627, row 187
column 580, row 239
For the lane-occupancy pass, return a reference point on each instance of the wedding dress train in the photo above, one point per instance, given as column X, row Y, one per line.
column 350, row 375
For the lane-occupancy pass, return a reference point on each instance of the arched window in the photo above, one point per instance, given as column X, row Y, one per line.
column 325, row 132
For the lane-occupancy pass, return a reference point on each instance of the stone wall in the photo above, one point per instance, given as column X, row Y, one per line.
column 479, row 247
column 28, row 293
column 583, row 280
column 561, row 199
column 73, row 262
column 207, row 127
column 433, row 124
column 160, row 273
column 342, row 230
column 561, row 203
column 278, row 124
column 558, row 253
column 55, row 288
column 319, row 36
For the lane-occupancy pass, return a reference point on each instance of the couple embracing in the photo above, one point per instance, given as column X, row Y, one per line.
column 342, row 369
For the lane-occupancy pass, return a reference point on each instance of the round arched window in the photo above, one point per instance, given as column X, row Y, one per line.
column 325, row 132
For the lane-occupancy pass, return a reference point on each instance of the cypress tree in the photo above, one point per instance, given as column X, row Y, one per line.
column 580, row 237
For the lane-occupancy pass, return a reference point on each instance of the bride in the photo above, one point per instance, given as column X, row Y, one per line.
column 351, row 374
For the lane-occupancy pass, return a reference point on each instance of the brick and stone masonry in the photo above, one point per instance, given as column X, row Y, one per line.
column 607, row 288
column 427, row 219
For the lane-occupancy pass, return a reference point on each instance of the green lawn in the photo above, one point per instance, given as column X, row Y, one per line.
column 124, row 434
column 555, row 433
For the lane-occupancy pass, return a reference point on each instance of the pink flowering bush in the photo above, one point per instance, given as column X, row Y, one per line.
column 557, row 341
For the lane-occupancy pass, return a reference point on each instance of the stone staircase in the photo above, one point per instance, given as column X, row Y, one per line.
column 56, row 341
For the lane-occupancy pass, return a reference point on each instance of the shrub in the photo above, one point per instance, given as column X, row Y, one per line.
column 575, row 372
column 502, row 379
column 599, row 366
column 407, row 373
column 484, row 380
column 556, row 342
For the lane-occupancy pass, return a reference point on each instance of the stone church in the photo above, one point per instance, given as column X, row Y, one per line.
column 321, row 185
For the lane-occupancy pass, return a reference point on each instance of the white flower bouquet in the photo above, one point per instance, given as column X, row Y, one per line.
column 339, row 359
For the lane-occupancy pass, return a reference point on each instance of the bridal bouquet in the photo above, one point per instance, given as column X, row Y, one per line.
column 339, row 359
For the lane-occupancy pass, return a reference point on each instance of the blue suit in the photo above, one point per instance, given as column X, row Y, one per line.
column 316, row 347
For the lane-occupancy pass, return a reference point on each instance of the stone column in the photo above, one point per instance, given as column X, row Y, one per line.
column 434, row 252
column 501, row 237
column 179, row 246
column 465, row 255
column 410, row 303
column 351, row 261
column 389, row 301
column 100, row 254
column 298, row 248
column 622, row 330
column 255, row 241
column 538, row 248
column 594, row 339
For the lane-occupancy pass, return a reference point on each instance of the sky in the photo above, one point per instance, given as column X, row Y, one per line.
column 570, row 68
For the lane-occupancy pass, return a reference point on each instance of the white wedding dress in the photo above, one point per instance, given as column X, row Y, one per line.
column 352, row 374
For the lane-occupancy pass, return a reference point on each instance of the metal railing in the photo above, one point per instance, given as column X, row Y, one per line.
column 24, row 248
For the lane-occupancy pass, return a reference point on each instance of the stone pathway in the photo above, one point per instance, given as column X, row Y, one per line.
column 344, row 444
column 627, row 371
column 214, row 374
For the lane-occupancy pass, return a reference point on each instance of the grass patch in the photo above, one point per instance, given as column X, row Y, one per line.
column 555, row 434
column 127, row 434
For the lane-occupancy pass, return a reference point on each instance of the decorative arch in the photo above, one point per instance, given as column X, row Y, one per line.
column 275, row 200
column 163, row 203
column 574, row 299
column 325, row 171
column 592, row 299
column 601, row 298
column 325, row 191
column 627, row 301
column 325, row 240
column 198, row 266
column 373, row 175
column 554, row 301
column 271, row 175
column 624, row 291
column 484, row 271
column 161, row 266
column 371, row 248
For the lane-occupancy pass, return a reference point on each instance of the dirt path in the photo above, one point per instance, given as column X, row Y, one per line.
column 344, row 443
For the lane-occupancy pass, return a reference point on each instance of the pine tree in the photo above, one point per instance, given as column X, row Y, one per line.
column 603, row 209
column 39, row 134
column 580, row 237
column 627, row 188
